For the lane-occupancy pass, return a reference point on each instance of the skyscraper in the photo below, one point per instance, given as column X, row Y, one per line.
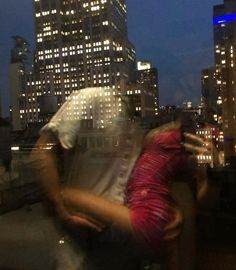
column 225, row 60
column 20, row 68
column 147, row 75
column 79, row 44
column 211, row 96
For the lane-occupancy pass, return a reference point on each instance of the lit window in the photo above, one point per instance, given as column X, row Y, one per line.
column 106, row 42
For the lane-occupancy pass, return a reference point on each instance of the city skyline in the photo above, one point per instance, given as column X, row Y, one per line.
column 179, row 55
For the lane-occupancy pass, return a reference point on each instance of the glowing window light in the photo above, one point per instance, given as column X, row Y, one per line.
column 15, row 148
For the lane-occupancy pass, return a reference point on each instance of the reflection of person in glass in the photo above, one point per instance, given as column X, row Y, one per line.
column 146, row 210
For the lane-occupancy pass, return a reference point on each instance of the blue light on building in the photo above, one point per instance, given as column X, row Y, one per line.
column 224, row 19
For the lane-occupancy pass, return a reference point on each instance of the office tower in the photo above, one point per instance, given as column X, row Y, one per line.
column 147, row 76
column 211, row 84
column 19, row 70
column 143, row 92
column 225, row 60
column 79, row 44
column 211, row 96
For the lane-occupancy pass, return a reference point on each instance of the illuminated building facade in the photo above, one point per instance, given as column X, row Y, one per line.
column 225, row 60
column 147, row 77
column 79, row 44
column 19, row 70
column 188, row 104
column 211, row 134
column 142, row 100
column 211, row 85
column 93, row 107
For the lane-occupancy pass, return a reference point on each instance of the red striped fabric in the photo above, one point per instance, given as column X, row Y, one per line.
column 148, row 190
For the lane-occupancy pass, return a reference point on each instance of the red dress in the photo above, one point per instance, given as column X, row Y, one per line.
column 148, row 190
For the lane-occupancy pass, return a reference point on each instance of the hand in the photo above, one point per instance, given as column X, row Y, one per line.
column 199, row 146
column 173, row 229
column 78, row 220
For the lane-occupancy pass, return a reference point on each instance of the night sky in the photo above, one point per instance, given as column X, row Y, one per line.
column 176, row 35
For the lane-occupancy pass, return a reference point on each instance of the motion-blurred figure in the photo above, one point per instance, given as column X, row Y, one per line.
column 126, row 185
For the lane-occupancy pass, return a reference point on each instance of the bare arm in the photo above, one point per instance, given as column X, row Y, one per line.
column 47, row 173
column 99, row 208
column 45, row 163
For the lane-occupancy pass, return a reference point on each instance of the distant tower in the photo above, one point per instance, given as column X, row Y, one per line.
column 142, row 93
column 20, row 66
column 211, row 96
column 225, row 60
column 147, row 76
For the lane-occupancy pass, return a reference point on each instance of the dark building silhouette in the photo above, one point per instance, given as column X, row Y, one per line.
column 5, row 144
column 19, row 70
column 20, row 52
column 211, row 96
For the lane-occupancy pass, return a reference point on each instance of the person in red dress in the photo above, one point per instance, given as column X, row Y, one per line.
column 149, row 213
